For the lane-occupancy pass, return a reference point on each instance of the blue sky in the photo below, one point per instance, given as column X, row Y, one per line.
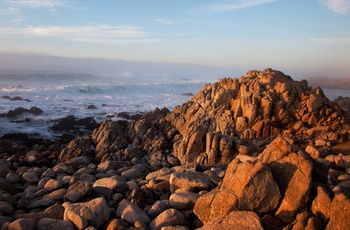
column 294, row 35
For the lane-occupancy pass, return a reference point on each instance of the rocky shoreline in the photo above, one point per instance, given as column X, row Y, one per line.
column 257, row 152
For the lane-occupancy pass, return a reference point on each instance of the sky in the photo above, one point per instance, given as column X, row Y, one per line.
column 296, row 36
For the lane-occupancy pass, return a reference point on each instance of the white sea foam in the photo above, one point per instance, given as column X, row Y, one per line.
column 63, row 95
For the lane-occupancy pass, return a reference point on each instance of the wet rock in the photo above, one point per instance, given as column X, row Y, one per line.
column 124, row 115
column 91, row 107
column 5, row 145
column 71, row 123
column 35, row 110
column 16, row 112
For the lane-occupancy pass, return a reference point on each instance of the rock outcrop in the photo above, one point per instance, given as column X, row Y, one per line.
column 223, row 118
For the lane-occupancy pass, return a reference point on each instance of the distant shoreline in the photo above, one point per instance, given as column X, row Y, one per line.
column 330, row 83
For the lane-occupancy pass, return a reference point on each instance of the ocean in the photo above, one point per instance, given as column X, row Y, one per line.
column 97, row 96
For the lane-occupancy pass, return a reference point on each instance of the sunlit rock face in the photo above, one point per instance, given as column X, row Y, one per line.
column 219, row 121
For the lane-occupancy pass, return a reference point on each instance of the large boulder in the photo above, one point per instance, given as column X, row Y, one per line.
column 94, row 212
column 340, row 212
column 247, row 186
column 253, row 184
column 293, row 174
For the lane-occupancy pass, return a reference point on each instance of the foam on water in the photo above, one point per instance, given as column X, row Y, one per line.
column 63, row 95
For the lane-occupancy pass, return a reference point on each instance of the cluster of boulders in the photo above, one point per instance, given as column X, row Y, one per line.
column 283, row 187
column 16, row 98
column 71, row 124
column 20, row 110
column 257, row 152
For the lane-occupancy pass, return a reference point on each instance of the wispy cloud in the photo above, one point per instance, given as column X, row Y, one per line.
column 338, row 6
column 118, row 40
column 192, row 39
column 101, row 33
column 163, row 21
column 329, row 40
column 16, row 8
column 36, row 3
column 232, row 5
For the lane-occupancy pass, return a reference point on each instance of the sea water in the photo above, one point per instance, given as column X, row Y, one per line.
column 60, row 95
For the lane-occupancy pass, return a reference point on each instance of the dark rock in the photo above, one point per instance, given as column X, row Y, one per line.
column 124, row 115
column 187, row 94
column 143, row 197
column 16, row 112
column 91, row 107
column 71, row 123
column 35, row 110
column 48, row 223
column 17, row 98
column 5, row 145
column 22, row 224
column 6, row 97
column 77, row 191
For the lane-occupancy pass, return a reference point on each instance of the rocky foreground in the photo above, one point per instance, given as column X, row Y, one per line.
column 257, row 152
